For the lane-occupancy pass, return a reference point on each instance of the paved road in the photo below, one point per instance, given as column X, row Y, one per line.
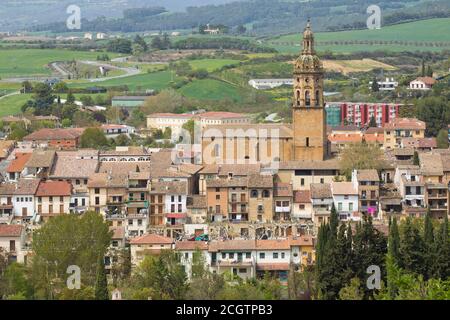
column 10, row 94
column 129, row 71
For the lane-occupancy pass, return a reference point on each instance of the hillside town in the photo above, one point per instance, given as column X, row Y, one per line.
column 251, row 199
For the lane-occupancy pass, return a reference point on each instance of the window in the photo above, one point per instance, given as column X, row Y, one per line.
column 266, row 194
column 61, row 199
column 172, row 198
column 350, row 206
column 77, row 182
column 217, row 189
column 282, row 255
column 322, row 181
column 307, row 141
column 262, row 255
column 247, row 255
column 307, row 99
column 302, row 181
column 340, row 206
column 97, row 190
column 254, row 194
column 231, row 255
column 242, row 270
column 275, row 255
column 301, row 207
column 139, row 222
column 224, row 255
column 217, row 196
column 130, row 222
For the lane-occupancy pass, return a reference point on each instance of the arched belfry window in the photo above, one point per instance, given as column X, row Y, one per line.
column 307, row 98
column 317, row 97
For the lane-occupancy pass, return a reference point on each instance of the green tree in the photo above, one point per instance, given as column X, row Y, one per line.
column 66, row 123
column 416, row 160
column 394, row 241
column 63, row 241
column 429, row 253
column 93, row 138
column 360, row 156
column 101, row 284
column 412, row 249
column 15, row 281
column 352, row 291
column 122, row 140
column 163, row 275
column 375, row 87
column 60, row 87
column 141, row 42
column 70, row 100
column 442, row 262
column 442, row 139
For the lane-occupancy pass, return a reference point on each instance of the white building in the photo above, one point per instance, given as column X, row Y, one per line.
column 101, row 36
column 113, row 130
column 12, row 241
column 24, row 198
column 388, row 85
column 345, row 199
column 136, row 225
column 411, row 186
column 422, row 83
column 265, row 84
column 88, row 36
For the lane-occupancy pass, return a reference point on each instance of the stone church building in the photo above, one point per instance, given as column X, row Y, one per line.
column 303, row 140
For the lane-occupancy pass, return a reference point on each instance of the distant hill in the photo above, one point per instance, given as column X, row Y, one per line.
column 21, row 14
column 423, row 35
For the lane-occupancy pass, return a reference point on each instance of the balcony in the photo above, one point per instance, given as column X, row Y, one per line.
column 283, row 209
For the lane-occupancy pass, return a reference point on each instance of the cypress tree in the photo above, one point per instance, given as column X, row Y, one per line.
column 394, row 242
column 375, row 86
column 101, row 284
column 428, row 238
column 423, row 68
column 412, row 249
column 442, row 263
column 416, row 160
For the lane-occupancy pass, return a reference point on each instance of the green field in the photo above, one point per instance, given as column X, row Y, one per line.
column 33, row 62
column 11, row 105
column 155, row 81
column 432, row 30
column 209, row 89
column 211, row 64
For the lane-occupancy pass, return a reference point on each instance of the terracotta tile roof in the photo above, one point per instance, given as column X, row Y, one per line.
column 426, row 80
column 152, row 239
column 7, row 189
column 118, row 232
column 403, row 152
column 350, row 127
column 368, row 175
column 302, row 196
column 197, row 202
column 19, row 161
column 127, row 151
column 320, row 190
column 343, row 188
column 191, row 245
column 41, row 159
column 27, row 186
column 10, row 230
column 282, row 189
column 226, row 183
column 260, row 181
column 54, row 188
column 374, row 137
column 229, row 245
column 281, row 244
column 75, row 164
column 169, row 187
column 108, row 180
column 5, row 147
column 431, row 164
column 373, row 130
column 220, row 115
column 190, row 168
column 405, row 123
column 302, row 241
column 420, row 142
column 47, row 134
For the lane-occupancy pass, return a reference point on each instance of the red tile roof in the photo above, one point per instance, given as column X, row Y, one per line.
column 406, row 123
column 11, row 230
column 54, row 134
column 152, row 239
column 17, row 165
column 302, row 196
column 426, row 80
column 191, row 245
column 54, row 188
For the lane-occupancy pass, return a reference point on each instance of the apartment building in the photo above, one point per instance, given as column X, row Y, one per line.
column 400, row 128
column 53, row 198
column 367, row 182
column 345, row 199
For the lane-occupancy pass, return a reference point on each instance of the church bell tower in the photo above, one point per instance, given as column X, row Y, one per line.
column 308, row 109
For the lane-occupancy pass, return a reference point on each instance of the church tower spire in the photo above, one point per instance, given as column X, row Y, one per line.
column 310, row 142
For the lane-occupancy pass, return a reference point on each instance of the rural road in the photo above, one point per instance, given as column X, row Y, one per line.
column 10, row 94
column 129, row 71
